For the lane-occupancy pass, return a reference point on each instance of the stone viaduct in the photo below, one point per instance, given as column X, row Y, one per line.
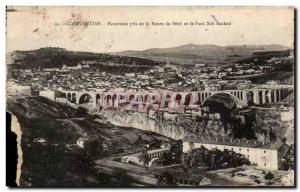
column 241, row 98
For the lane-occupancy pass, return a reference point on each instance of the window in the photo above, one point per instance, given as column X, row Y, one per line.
column 264, row 151
column 248, row 150
column 265, row 164
column 240, row 149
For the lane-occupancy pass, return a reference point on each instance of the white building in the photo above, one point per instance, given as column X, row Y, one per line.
column 81, row 141
column 143, row 76
column 129, row 74
column 212, row 87
column 200, row 65
column 50, row 94
column 266, row 156
column 17, row 89
column 273, row 82
column 72, row 67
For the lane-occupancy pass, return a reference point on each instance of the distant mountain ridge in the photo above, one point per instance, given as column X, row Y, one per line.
column 55, row 57
column 206, row 53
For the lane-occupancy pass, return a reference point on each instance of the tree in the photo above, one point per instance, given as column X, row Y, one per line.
column 93, row 148
column 166, row 179
column 121, row 178
column 176, row 151
column 145, row 158
column 269, row 176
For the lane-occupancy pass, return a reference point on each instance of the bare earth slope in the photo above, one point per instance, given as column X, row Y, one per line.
column 51, row 154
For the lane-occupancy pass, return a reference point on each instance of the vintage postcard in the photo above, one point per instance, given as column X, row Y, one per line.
column 151, row 96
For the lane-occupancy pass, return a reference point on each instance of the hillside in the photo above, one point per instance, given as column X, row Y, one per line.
column 50, row 134
column 283, row 76
column 210, row 54
column 262, row 56
column 290, row 99
column 52, row 57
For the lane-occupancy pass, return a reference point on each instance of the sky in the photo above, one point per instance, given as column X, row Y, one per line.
column 31, row 28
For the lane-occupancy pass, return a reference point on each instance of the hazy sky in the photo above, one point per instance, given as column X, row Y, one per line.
column 35, row 27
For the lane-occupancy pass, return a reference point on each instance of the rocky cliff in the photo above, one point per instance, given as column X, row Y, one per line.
column 143, row 121
column 253, row 123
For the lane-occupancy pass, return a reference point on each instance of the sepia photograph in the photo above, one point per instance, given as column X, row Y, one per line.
column 151, row 96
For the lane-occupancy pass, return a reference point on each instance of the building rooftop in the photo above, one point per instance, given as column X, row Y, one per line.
column 234, row 142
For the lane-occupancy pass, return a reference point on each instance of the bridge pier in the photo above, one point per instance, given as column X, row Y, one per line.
column 244, row 98
column 263, row 97
column 77, row 99
column 94, row 102
column 255, row 97
column 275, row 97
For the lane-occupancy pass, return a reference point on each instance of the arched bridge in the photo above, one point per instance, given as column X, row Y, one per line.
column 167, row 99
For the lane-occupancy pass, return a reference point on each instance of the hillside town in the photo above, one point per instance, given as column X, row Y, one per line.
column 87, row 76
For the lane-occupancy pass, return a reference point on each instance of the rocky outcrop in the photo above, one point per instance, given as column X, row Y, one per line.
column 272, row 125
column 263, row 124
column 144, row 122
